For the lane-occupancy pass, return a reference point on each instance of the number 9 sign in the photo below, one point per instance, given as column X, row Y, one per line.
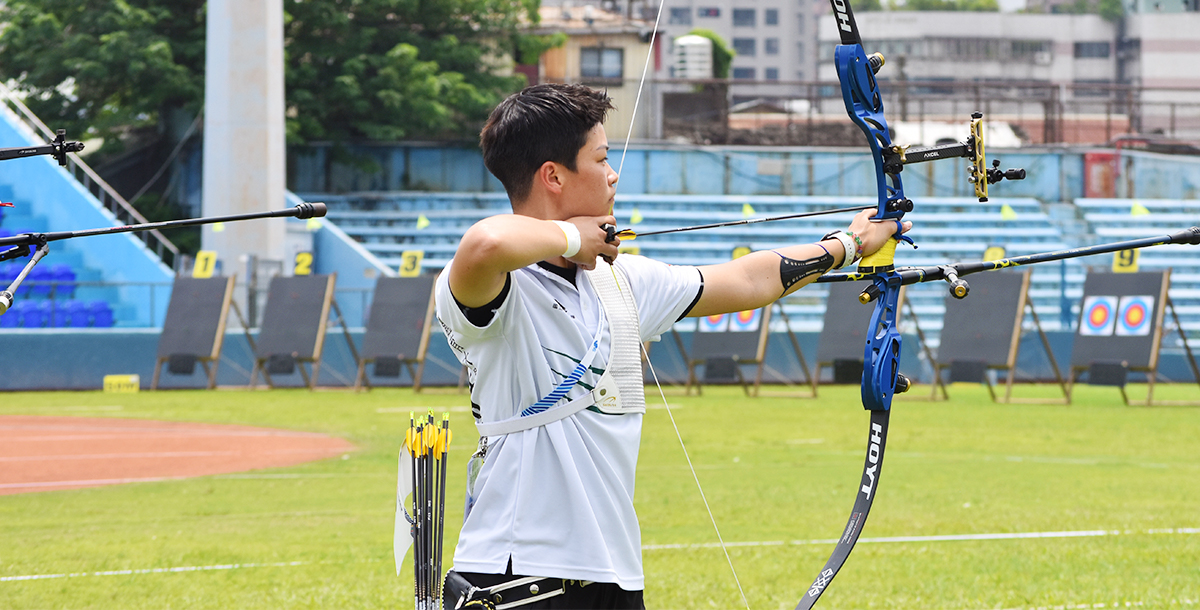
column 1125, row 261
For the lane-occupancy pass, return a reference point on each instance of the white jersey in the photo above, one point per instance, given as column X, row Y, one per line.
column 556, row 499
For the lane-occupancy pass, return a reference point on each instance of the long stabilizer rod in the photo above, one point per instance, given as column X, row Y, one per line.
column 916, row 275
column 301, row 211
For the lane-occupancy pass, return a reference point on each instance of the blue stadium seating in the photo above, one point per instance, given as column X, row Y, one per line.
column 101, row 314
column 64, row 278
column 11, row 318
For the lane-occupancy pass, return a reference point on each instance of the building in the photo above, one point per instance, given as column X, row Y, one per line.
column 965, row 46
column 1140, row 74
column 605, row 49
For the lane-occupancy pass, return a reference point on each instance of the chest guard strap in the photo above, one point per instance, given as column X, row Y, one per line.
column 620, row 389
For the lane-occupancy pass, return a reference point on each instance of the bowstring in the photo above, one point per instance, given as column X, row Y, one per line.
column 621, row 166
column 695, row 477
column 638, row 98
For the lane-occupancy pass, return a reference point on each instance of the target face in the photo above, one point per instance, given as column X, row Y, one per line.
column 714, row 324
column 1099, row 316
column 1134, row 316
column 745, row 320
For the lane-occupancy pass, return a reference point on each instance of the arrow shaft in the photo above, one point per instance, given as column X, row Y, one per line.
column 747, row 221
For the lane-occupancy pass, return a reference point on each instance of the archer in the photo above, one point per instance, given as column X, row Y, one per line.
column 553, row 362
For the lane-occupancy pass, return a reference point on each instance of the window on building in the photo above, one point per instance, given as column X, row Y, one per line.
column 681, row 16
column 1089, row 50
column 771, row 73
column 601, row 62
column 708, row 12
column 745, row 47
column 771, row 46
column 771, row 16
column 743, row 17
column 744, row 73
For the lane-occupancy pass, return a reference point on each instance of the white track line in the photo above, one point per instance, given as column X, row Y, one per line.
column 945, row 538
column 229, row 566
column 1174, row 602
column 87, row 482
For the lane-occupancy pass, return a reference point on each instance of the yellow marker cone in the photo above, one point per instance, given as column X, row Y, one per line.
column 1138, row 210
column 218, row 227
column 635, row 217
column 993, row 253
column 747, row 210
column 1007, row 213
column 422, row 222
column 313, row 225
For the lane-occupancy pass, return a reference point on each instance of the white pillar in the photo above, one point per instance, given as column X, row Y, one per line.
column 244, row 157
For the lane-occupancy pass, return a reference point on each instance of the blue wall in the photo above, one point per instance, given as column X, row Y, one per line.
column 81, row 359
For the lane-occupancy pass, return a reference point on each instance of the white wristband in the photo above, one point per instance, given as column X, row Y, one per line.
column 848, row 246
column 574, row 241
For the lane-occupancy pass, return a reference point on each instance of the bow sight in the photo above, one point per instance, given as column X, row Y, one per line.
column 57, row 148
column 978, row 173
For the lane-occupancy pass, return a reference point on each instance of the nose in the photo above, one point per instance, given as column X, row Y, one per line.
column 613, row 178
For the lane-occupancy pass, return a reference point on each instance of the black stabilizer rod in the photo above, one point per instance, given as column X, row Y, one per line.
column 57, row 148
column 950, row 273
column 302, row 211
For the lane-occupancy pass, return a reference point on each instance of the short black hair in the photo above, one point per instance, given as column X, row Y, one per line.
column 541, row 123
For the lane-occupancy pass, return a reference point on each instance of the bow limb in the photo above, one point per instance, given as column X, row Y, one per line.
column 881, row 357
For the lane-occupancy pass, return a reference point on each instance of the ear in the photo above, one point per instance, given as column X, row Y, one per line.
column 550, row 177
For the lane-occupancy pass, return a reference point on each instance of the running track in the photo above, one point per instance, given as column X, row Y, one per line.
column 53, row 453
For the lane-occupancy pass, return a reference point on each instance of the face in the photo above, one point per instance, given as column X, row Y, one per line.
column 591, row 188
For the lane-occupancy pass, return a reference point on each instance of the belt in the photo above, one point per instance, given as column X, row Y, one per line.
column 512, row 594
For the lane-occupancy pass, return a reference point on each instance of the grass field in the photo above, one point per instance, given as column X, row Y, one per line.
column 779, row 473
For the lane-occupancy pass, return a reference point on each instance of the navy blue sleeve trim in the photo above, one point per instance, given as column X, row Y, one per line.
column 482, row 316
column 695, row 300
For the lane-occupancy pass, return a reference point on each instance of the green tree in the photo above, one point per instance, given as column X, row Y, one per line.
column 355, row 69
column 722, row 55
column 101, row 67
column 391, row 69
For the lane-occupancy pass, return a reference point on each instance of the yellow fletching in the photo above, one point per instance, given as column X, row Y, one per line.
column 410, row 441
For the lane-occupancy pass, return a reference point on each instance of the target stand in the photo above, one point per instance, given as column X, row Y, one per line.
column 986, row 334
column 402, row 313
column 724, row 343
column 194, row 329
column 844, row 333
column 294, row 326
column 1121, row 330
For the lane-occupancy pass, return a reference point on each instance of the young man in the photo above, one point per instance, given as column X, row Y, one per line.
column 548, row 321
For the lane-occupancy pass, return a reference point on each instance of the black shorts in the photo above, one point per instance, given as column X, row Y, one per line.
column 592, row 596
